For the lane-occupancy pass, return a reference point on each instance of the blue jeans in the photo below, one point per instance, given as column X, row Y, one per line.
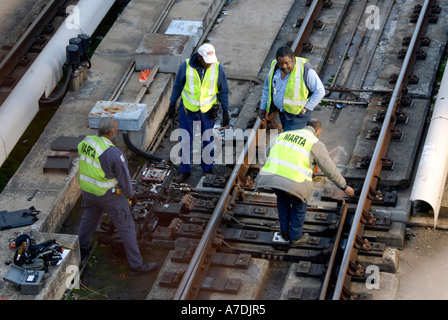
column 187, row 122
column 291, row 213
column 294, row 122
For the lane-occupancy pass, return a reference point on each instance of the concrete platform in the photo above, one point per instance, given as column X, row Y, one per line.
column 251, row 280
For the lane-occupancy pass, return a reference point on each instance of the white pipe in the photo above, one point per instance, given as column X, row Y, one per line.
column 21, row 106
column 432, row 171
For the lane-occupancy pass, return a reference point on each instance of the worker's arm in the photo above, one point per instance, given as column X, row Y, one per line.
column 115, row 165
column 223, row 89
column 321, row 157
column 179, row 83
column 265, row 94
column 316, row 87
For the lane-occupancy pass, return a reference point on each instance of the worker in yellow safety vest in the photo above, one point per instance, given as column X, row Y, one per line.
column 288, row 171
column 293, row 88
column 106, row 186
column 202, row 84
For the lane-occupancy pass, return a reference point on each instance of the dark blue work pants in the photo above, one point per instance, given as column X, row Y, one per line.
column 294, row 122
column 187, row 122
column 291, row 213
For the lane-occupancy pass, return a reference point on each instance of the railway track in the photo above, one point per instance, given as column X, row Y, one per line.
column 223, row 235
column 17, row 57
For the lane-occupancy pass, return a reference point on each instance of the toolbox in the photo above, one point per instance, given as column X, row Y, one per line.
column 29, row 281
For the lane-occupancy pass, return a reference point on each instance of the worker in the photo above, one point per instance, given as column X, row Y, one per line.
column 289, row 171
column 105, row 182
column 292, row 87
column 202, row 83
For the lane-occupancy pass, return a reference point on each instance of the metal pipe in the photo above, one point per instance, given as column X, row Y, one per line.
column 429, row 187
column 21, row 106
column 376, row 158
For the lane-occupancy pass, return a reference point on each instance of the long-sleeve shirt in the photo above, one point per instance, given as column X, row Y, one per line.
column 115, row 165
column 179, row 82
column 312, row 81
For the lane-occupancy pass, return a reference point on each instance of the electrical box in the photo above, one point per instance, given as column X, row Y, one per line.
column 29, row 281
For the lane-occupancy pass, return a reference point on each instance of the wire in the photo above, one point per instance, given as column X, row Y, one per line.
column 87, row 288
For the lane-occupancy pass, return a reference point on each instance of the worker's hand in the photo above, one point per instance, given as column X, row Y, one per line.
column 349, row 191
column 133, row 200
column 262, row 114
column 225, row 118
column 171, row 111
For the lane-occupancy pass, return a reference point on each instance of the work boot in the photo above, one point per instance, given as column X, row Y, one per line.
column 301, row 241
column 85, row 253
column 206, row 172
column 145, row 268
column 285, row 235
column 181, row 177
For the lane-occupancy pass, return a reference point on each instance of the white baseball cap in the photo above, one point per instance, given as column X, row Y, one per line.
column 207, row 52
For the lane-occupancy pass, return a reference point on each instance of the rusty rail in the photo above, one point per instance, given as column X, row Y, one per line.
column 188, row 287
column 306, row 27
column 373, row 174
column 25, row 42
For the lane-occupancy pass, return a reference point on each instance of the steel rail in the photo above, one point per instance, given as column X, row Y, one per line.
column 374, row 169
column 348, row 45
column 306, row 27
column 328, row 274
column 25, row 42
column 188, row 288
column 372, row 52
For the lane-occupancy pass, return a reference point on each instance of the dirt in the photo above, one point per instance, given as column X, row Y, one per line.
column 422, row 267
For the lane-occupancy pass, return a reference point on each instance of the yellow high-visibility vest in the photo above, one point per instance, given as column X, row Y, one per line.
column 296, row 93
column 197, row 95
column 91, row 176
column 289, row 157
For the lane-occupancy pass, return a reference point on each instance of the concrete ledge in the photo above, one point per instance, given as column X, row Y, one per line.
column 389, row 262
column 394, row 237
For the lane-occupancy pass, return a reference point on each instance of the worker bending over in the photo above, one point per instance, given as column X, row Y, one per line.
column 289, row 172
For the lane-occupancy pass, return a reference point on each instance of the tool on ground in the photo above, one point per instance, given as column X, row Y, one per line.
column 336, row 111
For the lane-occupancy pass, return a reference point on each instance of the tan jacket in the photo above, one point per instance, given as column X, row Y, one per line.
column 318, row 156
